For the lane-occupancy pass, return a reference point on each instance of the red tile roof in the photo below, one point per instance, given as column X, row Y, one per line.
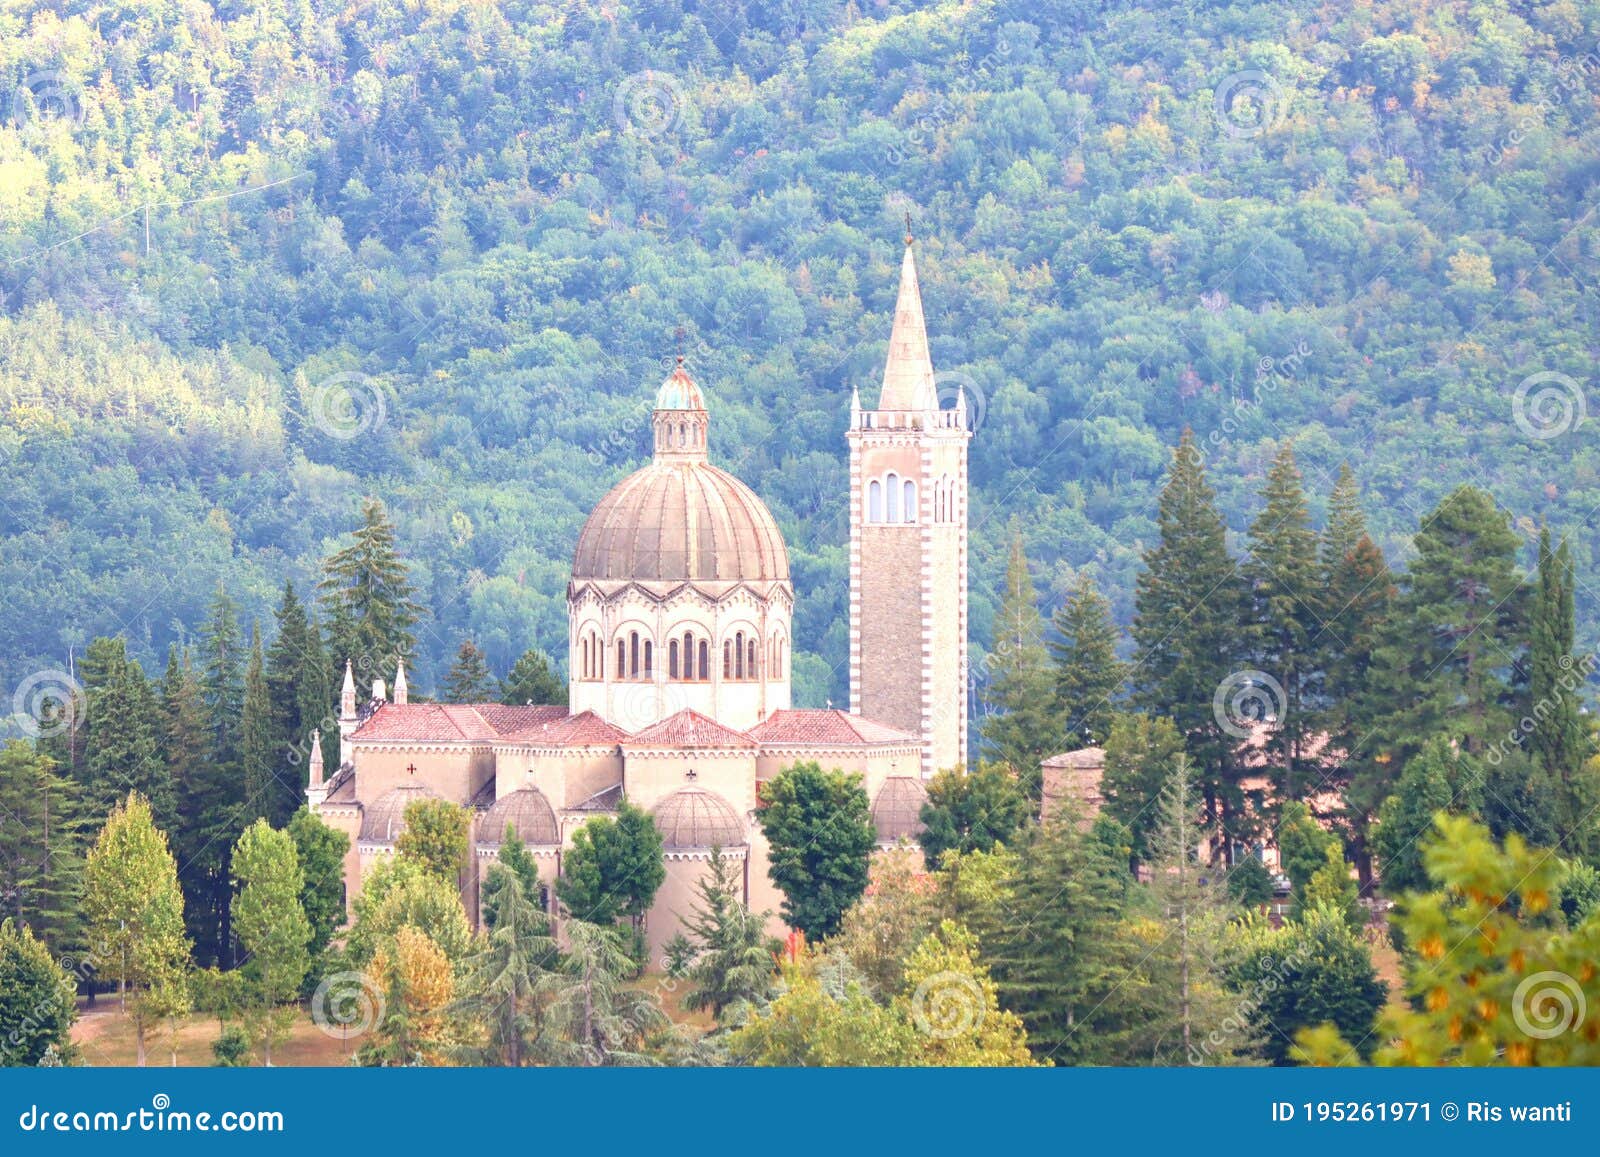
column 585, row 729
column 485, row 723
column 689, row 728
column 825, row 727
column 426, row 723
column 507, row 720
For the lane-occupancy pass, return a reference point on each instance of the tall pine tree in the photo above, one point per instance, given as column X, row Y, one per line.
column 1020, row 728
column 1088, row 673
column 222, row 661
column 1286, row 616
column 120, row 753
column 366, row 590
column 1446, row 665
column 208, row 819
column 1188, row 609
column 41, row 846
column 469, row 680
column 1359, row 591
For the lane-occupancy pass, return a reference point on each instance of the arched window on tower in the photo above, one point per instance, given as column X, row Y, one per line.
column 753, row 664
column 633, row 655
column 649, row 659
column 672, row 659
column 622, row 659
column 875, row 501
column 705, row 660
column 910, row 511
column 892, row 503
column 588, row 665
column 727, row 659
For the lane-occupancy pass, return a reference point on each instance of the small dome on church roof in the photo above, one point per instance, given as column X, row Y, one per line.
column 528, row 811
column 384, row 818
column 679, row 391
column 897, row 812
column 696, row 819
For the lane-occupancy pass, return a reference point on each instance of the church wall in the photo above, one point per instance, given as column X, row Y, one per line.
column 761, row 894
column 649, row 776
column 873, row 764
column 346, row 818
column 677, row 898
column 567, row 776
column 456, row 771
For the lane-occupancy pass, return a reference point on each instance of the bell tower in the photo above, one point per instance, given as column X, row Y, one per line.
column 908, row 545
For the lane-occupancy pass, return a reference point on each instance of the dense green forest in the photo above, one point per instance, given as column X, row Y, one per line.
column 261, row 260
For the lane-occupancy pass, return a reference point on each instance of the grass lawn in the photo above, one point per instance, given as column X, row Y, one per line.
column 105, row 1037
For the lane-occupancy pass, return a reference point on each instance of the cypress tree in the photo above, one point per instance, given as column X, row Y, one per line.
column 1088, row 673
column 1020, row 729
column 1188, row 609
column 302, row 701
column 1559, row 745
column 263, row 793
column 367, row 592
column 1286, row 613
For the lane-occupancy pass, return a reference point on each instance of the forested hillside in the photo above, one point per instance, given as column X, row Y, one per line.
column 259, row 260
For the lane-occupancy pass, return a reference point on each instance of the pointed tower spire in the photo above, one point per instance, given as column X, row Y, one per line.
column 347, row 697
column 908, row 372
column 316, row 789
column 855, row 406
column 400, row 689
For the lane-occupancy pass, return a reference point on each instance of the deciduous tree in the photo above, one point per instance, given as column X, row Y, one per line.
column 819, row 830
column 272, row 928
column 134, row 909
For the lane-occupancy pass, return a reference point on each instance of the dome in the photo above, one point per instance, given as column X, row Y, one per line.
column 897, row 812
column 681, row 521
column 694, row 819
column 384, row 818
column 679, row 392
column 528, row 811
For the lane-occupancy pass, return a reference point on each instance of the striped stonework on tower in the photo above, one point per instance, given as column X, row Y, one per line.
column 908, row 546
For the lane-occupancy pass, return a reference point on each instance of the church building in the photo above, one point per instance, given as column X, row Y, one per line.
column 679, row 643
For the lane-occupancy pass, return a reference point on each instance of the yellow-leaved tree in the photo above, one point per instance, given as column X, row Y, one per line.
column 1497, row 972
column 952, row 1001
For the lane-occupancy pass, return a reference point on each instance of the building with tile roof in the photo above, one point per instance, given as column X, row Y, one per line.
column 679, row 609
